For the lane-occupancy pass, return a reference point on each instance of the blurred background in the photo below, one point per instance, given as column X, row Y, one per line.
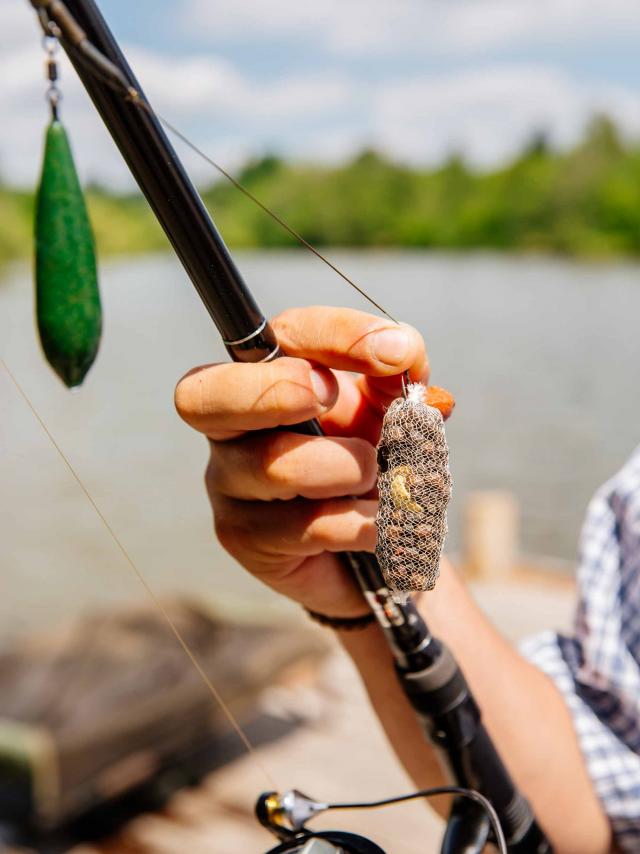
column 475, row 165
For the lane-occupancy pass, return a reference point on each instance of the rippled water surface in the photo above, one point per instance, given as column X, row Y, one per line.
column 542, row 355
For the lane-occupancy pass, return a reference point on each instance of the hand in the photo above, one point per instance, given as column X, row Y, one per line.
column 283, row 503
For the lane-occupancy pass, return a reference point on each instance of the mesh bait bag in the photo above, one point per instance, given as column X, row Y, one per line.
column 414, row 484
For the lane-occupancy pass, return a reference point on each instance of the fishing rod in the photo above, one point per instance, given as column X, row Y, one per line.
column 428, row 673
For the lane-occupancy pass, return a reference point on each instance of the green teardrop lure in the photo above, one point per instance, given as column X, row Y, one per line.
column 68, row 307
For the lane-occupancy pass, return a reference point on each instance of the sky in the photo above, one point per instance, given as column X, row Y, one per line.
column 416, row 79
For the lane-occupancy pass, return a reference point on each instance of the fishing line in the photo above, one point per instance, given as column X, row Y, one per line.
column 470, row 794
column 101, row 67
column 289, row 229
column 213, row 691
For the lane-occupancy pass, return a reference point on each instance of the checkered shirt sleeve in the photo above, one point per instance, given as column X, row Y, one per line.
column 597, row 669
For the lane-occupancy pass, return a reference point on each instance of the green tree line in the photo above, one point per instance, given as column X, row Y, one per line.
column 582, row 202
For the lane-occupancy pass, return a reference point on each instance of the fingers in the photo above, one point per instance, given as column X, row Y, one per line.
column 226, row 400
column 285, row 465
column 351, row 340
column 260, row 535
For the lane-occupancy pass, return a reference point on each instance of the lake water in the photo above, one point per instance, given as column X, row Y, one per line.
column 542, row 355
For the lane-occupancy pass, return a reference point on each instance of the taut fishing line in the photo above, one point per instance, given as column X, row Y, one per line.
column 113, row 78
column 413, row 461
column 285, row 225
column 433, row 792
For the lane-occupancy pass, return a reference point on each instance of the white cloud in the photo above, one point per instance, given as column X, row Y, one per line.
column 427, row 27
column 229, row 114
column 489, row 113
column 19, row 25
column 209, row 85
column 334, row 23
column 486, row 111
column 485, row 24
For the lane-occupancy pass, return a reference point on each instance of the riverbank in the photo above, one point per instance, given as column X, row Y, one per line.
column 580, row 203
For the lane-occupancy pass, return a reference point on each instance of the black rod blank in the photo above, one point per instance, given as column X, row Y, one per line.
column 160, row 175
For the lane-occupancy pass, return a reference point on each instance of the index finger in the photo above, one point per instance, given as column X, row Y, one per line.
column 349, row 340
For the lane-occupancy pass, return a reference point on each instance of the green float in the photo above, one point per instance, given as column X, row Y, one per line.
column 68, row 306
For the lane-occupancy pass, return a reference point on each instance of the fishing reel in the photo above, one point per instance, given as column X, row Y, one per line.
column 472, row 823
column 286, row 817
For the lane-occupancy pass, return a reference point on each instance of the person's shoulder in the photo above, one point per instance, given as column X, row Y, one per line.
column 627, row 480
column 620, row 493
column 610, row 540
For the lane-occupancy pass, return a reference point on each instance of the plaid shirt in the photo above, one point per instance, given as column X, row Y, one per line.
column 597, row 669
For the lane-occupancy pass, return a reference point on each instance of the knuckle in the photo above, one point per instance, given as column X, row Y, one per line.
column 287, row 386
column 299, row 386
column 211, row 474
column 226, row 531
column 316, row 513
column 276, row 465
column 287, row 321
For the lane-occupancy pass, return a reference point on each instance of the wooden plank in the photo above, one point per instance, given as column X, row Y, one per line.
column 107, row 703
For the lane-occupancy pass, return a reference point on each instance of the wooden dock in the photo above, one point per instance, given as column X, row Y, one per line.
column 339, row 752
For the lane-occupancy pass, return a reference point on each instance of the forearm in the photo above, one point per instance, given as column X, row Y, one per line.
column 522, row 709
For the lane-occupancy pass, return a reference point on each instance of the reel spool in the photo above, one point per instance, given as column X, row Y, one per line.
column 328, row 842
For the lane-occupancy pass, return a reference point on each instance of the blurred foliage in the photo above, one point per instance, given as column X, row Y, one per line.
column 583, row 202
